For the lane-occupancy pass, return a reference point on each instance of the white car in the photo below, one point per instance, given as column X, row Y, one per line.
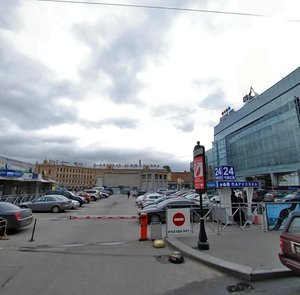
column 147, row 196
column 205, row 200
column 215, row 199
column 93, row 193
column 75, row 204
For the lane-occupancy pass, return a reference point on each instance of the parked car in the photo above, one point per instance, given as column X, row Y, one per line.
column 148, row 196
column 68, row 194
column 259, row 194
column 158, row 213
column 191, row 196
column 16, row 217
column 215, row 199
column 49, row 203
column 290, row 243
column 271, row 196
column 94, row 194
column 156, row 201
column 75, row 204
column 85, row 195
column 205, row 200
column 295, row 197
column 139, row 193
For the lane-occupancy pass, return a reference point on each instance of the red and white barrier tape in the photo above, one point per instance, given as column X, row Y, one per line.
column 103, row 217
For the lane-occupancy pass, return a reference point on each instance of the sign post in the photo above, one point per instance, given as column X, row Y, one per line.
column 178, row 221
column 200, row 187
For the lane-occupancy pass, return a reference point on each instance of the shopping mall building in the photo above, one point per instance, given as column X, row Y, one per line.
column 262, row 139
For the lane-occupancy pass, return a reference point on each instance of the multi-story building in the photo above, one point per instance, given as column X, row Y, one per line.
column 180, row 180
column 262, row 139
column 76, row 175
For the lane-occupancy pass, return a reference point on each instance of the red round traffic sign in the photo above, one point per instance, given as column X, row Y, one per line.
column 178, row 219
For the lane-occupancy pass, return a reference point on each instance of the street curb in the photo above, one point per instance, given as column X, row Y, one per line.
column 244, row 272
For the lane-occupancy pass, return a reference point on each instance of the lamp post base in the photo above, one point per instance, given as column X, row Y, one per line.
column 203, row 245
column 202, row 241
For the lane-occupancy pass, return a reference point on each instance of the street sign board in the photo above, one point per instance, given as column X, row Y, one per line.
column 225, row 173
column 237, row 184
column 199, row 181
column 178, row 221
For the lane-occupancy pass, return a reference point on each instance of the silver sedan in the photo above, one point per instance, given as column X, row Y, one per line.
column 52, row 203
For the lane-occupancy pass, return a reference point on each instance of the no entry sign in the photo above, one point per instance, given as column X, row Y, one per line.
column 178, row 221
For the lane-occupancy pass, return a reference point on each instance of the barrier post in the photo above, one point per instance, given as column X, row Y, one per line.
column 4, row 237
column 144, row 223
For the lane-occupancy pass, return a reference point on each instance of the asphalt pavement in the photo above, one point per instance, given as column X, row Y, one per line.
column 250, row 253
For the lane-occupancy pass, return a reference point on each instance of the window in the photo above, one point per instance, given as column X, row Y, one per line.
column 294, row 227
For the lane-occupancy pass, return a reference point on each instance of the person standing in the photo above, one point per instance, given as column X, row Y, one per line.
column 128, row 194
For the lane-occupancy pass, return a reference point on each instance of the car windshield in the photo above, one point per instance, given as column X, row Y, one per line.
column 294, row 227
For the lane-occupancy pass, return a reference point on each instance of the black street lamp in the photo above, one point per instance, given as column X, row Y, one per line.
column 200, row 187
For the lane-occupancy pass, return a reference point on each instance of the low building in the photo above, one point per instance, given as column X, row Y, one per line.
column 77, row 176
column 17, row 177
column 180, row 180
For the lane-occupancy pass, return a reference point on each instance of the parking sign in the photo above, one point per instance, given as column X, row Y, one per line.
column 225, row 173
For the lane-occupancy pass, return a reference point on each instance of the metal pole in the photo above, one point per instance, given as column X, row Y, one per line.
column 32, row 240
column 202, row 241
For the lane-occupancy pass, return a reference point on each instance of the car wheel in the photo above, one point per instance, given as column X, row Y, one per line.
column 154, row 219
column 93, row 198
column 55, row 209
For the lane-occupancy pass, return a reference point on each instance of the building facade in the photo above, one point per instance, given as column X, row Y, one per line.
column 77, row 176
column 262, row 139
column 17, row 177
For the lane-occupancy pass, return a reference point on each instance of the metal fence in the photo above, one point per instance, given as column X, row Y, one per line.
column 17, row 199
column 221, row 218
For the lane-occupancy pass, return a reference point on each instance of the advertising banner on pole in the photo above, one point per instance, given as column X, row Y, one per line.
column 199, row 181
column 178, row 221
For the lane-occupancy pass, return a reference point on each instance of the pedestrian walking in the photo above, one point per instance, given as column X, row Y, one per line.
column 128, row 194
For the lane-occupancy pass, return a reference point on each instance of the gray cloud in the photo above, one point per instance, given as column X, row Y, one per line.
column 29, row 96
column 125, row 52
column 214, row 100
column 8, row 12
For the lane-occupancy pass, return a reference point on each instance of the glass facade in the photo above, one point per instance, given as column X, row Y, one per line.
column 263, row 137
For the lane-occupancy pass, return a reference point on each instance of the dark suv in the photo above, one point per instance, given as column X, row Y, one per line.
column 67, row 194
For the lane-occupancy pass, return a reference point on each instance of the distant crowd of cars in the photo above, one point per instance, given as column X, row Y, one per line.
column 263, row 195
column 55, row 201
column 155, row 204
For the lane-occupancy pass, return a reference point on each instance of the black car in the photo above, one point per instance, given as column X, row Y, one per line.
column 157, row 213
column 67, row 194
column 15, row 216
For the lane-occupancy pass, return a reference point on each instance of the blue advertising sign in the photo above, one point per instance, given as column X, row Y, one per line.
column 278, row 213
column 225, row 173
column 11, row 173
column 211, row 184
column 237, row 184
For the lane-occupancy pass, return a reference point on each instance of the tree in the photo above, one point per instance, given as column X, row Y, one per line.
column 167, row 168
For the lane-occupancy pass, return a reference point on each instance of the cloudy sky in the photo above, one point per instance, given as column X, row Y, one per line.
column 118, row 84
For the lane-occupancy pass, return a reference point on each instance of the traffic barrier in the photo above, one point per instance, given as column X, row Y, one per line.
column 95, row 217
column 144, row 223
column 3, row 224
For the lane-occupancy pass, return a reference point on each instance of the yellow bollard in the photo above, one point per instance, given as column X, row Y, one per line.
column 4, row 237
